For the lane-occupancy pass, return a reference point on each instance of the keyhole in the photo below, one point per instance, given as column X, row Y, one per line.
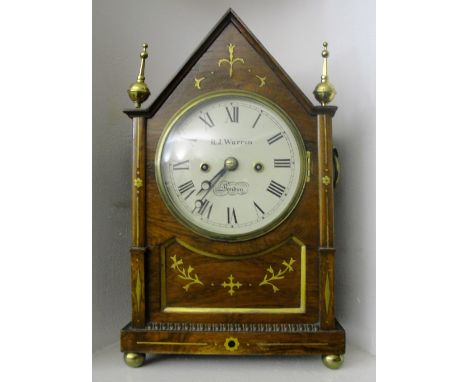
column 231, row 344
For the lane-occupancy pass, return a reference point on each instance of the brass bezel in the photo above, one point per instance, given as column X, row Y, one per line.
column 170, row 203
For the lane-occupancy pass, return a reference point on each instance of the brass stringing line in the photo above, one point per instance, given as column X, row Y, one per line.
column 137, row 174
column 328, row 233
column 227, row 257
column 163, row 278
column 138, row 289
column 292, row 343
column 326, row 146
column 327, row 293
column 137, row 221
column 176, row 309
column 172, row 343
column 138, row 147
column 303, row 272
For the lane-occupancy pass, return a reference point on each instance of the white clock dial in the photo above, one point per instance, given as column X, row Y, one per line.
column 231, row 165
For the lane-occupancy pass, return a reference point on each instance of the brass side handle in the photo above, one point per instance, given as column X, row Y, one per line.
column 336, row 167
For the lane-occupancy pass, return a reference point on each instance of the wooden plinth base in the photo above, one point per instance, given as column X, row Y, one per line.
column 233, row 343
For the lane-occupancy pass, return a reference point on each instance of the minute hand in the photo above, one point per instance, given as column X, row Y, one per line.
column 207, row 185
column 230, row 164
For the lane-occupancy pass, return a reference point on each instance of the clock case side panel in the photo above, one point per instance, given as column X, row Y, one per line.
column 326, row 218
column 138, row 202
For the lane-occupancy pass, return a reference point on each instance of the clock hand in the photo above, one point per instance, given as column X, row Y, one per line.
column 207, row 185
column 230, row 164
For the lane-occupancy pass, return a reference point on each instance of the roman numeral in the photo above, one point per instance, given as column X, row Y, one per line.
column 233, row 114
column 231, row 216
column 186, row 187
column 184, row 165
column 282, row 163
column 209, row 211
column 207, row 120
column 257, row 208
column 203, row 206
column 276, row 189
column 274, row 138
column 255, row 123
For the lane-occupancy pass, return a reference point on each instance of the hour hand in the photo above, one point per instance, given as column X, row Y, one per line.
column 205, row 186
column 230, row 164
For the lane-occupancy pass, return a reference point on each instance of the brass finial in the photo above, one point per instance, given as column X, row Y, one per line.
column 138, row 91
column 324, row 91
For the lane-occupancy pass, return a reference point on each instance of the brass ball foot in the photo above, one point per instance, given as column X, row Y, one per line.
column 134, row 359
column 333, row 361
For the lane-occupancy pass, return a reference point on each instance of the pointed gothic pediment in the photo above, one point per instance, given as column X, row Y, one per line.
column 209, row 68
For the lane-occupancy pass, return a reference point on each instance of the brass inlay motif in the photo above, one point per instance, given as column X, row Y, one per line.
column 262, row 81
column 138, row 290
column 198, row 82
column 327, row 293
column 309, row 164
column 138, row 126
column 138, row 183
column 231, row 60
column 231, row 285
column 327, row 219
column 301, row 308
column 326, row 180
column 171, row 343
column 325, row 134
column 278, row 276
column 201, row 252
column 177, row 266
column 268, row 344
column 231, row 343
column 137, row 220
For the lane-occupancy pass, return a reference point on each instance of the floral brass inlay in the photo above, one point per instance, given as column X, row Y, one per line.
column 177, row 266
column 231, row 285
column 262, row 81
column 138, row 183
column 326, row 180
column 231, row 60
column 198, row 82
column 277, row 276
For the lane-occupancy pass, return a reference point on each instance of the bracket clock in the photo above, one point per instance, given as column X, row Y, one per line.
column 232, row 209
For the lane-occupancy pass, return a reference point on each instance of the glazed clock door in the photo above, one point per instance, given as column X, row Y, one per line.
column 231, row 165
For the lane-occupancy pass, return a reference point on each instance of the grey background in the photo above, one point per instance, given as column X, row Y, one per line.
column 293, row 32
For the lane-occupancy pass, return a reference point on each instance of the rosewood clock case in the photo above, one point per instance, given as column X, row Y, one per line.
column 273, row 294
